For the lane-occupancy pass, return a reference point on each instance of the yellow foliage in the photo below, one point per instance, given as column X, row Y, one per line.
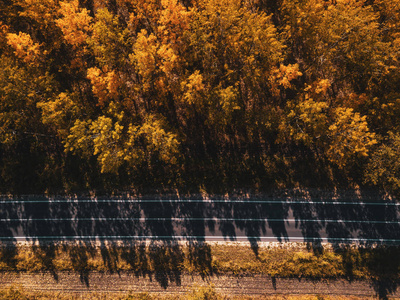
column 350, row 136
column 21, row 87
column 110, row 40
column 322, row 86
column 228, row 101
column 6, row 136
column 169, row 59
column 107, row 139
column 145, row 56
column 79, row 138
column 105, row 84
column 193, row 87
column 235, row 44
column 102, row 137
column 106, row 135
column 24, row 47
column 384, row 165
column 307, row 121
column 283, row 75
column 59, row 112
column 173, row 21
column 143, row 12
column 42, row 11
column 342, row 133
column 75, row 23
column 151, row 139
column 336, row 38
column 317, row 89
column 220, row 65
column 390, row 13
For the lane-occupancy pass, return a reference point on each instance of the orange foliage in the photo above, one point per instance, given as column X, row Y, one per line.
column 24, row 47
column 283, row 75
column 174, row 20
column 105, row 84
column 75, row 23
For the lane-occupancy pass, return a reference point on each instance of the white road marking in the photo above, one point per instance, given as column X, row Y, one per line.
column 182, row 237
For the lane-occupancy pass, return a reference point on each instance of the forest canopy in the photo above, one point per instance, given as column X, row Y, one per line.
column 198, row 95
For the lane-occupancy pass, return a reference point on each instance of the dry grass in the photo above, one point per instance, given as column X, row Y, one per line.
column 204, row 259
column 203, row 293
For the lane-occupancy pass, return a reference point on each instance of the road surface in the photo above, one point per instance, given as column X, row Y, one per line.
column 259, row 219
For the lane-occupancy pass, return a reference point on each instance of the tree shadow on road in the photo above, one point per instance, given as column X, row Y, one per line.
column 155, row 236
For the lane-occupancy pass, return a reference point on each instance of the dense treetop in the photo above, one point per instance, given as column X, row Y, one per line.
column 198, row 95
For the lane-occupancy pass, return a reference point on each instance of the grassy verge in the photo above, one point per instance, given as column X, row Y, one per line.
column 204, row 259
column 203, row 293
column 166, row 263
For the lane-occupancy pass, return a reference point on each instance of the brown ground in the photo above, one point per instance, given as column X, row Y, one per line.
column 229, row 285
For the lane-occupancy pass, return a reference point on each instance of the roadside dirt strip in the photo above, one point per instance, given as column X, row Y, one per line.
column 230, row 285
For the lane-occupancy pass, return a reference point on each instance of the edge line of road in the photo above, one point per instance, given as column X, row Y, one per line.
column 196, row 219
column 205, row 201
column 201, row 238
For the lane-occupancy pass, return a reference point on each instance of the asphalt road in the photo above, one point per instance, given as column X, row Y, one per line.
column 260, row 219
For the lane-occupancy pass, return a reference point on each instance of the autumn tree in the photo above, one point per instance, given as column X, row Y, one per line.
column 191, row 91
column 383, row 169
column 22, row 134
column 233, row 52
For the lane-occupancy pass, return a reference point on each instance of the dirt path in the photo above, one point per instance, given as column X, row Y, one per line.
column 252, row 285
